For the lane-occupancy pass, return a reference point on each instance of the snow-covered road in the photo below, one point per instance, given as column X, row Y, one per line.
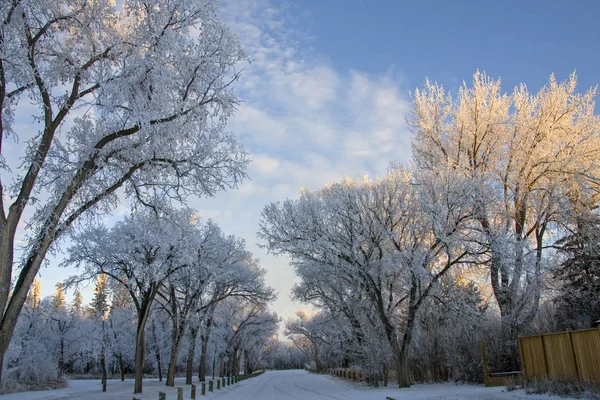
column 277, row 385
column 302, row 385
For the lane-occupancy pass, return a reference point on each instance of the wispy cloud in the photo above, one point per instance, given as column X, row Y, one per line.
column 304, row 123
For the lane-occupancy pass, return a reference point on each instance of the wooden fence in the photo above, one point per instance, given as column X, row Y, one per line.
column 571, row 355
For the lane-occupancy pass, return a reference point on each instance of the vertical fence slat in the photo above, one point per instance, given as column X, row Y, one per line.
column 571, row 355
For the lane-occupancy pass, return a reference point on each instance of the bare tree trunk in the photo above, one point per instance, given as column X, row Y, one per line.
column 247, row 368
column 203, row 355
column 103, row 368
column 235, row 363
column 140, row 342
column 121, row 367
column 174, row 354
column 157, row 352
column 190, row 359
column 139, row 360
column 385, row 374
column 318, row 364
column 61, row 359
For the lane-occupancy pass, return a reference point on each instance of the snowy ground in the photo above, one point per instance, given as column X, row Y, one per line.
column 277, row 385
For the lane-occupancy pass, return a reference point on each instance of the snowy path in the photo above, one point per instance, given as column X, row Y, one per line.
column 277, row 385
column 301, row 385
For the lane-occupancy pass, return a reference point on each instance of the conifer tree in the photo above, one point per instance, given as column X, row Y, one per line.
column 59, row 296
column 77, row 304
column 579, row 275
column 34, row 295
column 99, row 305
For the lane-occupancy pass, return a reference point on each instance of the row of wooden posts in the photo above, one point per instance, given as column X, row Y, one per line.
column 346, row 374
column 211, row 386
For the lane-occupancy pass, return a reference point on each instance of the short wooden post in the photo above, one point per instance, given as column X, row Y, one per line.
column 223, row 384
column 179, row 393
column 484, row 362
column 228, row 381
column 210, row 386
column 218, row 384
column 203, row 390
column 193, row 393
column 162, row 396
column 135, row 398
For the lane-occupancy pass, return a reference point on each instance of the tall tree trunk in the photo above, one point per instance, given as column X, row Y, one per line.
column 140, row 343
column 121, row 367
column 247, row 368
column 61, row 359
column 10, row 308
column 103, row 361
column 235, row 362
column 157, row 352
column 139, row 361
column 203, row 355
column 402, row 369
column 318, row 364
column 174, row 354
column 189, row 370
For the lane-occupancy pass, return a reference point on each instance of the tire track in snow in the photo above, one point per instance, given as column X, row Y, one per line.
column 262, row 388
column 315, row 392
column 286, row 393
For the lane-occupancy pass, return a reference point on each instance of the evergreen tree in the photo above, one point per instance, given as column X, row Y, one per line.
column 77, row 304
column 59, row 296
column 34, row 295
column 99, row 305
column 579, row 275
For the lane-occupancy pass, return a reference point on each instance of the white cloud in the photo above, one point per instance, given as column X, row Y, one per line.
column 305, row 125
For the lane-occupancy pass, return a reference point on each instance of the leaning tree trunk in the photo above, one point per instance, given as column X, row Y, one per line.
column 190, row 358
column 176, row 346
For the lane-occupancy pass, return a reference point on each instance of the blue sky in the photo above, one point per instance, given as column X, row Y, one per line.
column 520, row 41
column 327, row 91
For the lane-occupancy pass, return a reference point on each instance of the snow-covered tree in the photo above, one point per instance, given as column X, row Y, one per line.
column 140, row 253
column 77, row 304
column 309, row 333
column 134, row 95
column 35, row 294
column 530, row 155
column 59, row 296
column 99, row 304
column 380, row 246
column 248, row 325
column 578, row 275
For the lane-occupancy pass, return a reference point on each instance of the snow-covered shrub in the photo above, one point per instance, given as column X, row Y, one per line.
column 30, row 363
